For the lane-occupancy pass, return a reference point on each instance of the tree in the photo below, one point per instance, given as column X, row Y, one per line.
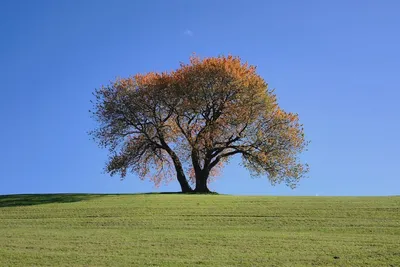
column 193, row 120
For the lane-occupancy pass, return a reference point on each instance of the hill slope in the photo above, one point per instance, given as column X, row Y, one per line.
column 198, row 230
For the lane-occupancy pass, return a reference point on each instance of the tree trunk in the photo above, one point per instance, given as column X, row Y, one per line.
column 201, row 174
column 180, row 175
column 201, row 182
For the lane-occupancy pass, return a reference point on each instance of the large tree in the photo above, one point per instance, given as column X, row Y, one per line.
column 193, row 119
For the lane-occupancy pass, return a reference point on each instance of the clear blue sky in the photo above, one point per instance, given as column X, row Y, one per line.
column 336, row 63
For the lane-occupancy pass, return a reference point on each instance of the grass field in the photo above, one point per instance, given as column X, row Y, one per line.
column 198, row 230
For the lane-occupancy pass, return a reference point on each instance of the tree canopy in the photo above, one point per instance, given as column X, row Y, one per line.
column 187, row 123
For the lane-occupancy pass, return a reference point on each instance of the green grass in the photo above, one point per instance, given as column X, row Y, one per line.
column 198, row 230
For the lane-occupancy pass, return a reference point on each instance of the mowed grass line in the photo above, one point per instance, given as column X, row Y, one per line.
column 198, row 230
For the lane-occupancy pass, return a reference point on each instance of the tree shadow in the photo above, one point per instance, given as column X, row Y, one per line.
column 179, row 193
column 161, row 193
column 39, row 199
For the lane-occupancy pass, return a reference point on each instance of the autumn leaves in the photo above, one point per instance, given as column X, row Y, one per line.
column 189, row 122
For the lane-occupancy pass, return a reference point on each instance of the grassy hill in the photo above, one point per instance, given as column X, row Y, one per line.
column 198, row 230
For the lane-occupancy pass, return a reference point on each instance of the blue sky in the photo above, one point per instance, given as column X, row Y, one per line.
column 336, row 63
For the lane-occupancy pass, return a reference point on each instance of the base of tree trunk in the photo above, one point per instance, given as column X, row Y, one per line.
column 199, row 192
column 202, row 191
column 187, row 191
column 201, row 185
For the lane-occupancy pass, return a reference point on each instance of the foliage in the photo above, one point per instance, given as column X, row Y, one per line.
column 193, row 120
